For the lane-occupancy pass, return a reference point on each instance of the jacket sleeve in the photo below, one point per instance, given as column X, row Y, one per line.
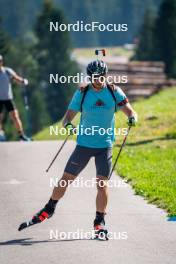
column 75, row 103
column 121, row 98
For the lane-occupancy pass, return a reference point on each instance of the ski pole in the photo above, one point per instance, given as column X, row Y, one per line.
column 27, row 110
column 57, row 153
column 118, row 155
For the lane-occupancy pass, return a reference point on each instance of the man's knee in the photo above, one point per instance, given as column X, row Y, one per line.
column 66, row 180
column 102, row 183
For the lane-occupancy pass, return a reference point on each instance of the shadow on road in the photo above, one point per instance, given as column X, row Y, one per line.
column 29, row 242
column 148, row 141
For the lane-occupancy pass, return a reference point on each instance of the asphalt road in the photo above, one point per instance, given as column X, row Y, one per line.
column 142, row 233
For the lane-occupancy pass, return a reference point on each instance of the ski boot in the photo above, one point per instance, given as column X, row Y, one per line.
column 23, row 137
column 46, row 213
column 100, row 231
column 2, row 136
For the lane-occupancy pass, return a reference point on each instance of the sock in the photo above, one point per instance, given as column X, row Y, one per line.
column 20, row 133
column 99, row 219
column 100, row 215
column 52, row 203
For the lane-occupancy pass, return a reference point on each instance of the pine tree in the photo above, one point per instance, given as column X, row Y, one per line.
column 15, row 16
column 166, row 36
column 4, row 40
column 19, row 17
column 53, row 55
column 145, row 47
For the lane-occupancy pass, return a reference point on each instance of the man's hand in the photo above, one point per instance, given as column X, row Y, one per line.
column 70, row 128
column 132, row 121
column 70, row 114
column 20, row 80
column 25, row 81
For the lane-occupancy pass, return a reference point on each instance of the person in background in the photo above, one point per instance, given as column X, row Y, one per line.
column 6, row 98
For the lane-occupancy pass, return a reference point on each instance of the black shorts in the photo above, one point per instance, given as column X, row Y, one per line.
column 81, row 156
column 9, row 105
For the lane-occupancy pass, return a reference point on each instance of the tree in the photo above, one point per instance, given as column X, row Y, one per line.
column 53, row 56
column 158, row 37
column 4, row 40
column 20, row 18
column 145, row 48
column 166, row 36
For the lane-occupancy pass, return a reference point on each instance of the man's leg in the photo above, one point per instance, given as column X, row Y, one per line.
column 57, row 194
column 1, row 115
column 50, row 207
column 13, row 112
column 63, row 183
column 102, row 194
column 1, row 121
column 17, row 121
column 103, row 161
column 76, row 163
column 101, row 203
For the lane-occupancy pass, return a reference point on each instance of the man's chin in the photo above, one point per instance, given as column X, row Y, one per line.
column 98, row 86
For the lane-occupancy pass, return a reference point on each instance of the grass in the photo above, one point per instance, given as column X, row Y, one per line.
column 46, row 135
column 148, row 161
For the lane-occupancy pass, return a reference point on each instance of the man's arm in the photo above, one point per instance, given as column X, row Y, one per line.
column 19, row 79
column 130, row 113
column 73, row 108
column 124, row 106
column 69, row 116
column 128, row 110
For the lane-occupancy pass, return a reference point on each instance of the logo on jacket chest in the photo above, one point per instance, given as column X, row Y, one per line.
column 99, row 103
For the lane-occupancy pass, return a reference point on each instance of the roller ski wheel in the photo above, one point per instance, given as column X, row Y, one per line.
column 101, row 233
column 38, row 218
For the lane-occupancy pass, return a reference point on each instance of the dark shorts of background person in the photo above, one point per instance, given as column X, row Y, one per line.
column 9, row 105
column 81, row 156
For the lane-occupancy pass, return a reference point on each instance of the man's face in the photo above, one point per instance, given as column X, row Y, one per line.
column 98, row 80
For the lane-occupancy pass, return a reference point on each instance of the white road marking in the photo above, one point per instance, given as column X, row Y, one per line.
column 12, row 181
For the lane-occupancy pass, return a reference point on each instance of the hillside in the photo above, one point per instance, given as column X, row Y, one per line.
column 148, row 161
column 20, row 18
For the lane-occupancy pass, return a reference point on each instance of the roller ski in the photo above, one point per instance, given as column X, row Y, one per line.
column 100, row 232
column 46, row 213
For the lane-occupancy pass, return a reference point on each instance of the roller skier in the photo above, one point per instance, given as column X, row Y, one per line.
column 7, row 75
column 97, row 103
